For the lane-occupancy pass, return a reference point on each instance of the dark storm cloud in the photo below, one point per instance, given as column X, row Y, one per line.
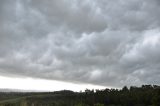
column 111, row 43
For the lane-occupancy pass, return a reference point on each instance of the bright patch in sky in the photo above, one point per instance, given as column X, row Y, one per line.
column 43, row 85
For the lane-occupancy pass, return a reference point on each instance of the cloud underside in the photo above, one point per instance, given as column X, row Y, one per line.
column 110, row 43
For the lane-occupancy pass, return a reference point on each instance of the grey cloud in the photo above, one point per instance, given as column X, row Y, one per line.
column 80, row 16
column 138, row 15
column 110, row 43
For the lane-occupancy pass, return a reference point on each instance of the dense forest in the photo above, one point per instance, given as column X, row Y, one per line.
column 146, row 95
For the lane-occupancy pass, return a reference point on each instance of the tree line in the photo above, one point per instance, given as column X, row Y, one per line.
column 146, row 95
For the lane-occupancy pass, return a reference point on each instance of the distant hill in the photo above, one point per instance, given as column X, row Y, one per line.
column 18, row 90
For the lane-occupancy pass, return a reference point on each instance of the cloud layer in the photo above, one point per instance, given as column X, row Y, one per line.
column 110, row 43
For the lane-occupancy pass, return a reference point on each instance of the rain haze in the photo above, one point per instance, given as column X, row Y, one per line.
column 78, row 44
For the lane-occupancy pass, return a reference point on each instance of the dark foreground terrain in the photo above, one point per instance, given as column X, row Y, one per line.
column 146, row 95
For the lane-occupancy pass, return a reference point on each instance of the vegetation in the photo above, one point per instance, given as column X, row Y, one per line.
column 146, row 95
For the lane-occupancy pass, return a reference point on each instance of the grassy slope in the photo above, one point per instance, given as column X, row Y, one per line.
column 20, row 100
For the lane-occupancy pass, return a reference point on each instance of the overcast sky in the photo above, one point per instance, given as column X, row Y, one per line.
column 109, row 43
